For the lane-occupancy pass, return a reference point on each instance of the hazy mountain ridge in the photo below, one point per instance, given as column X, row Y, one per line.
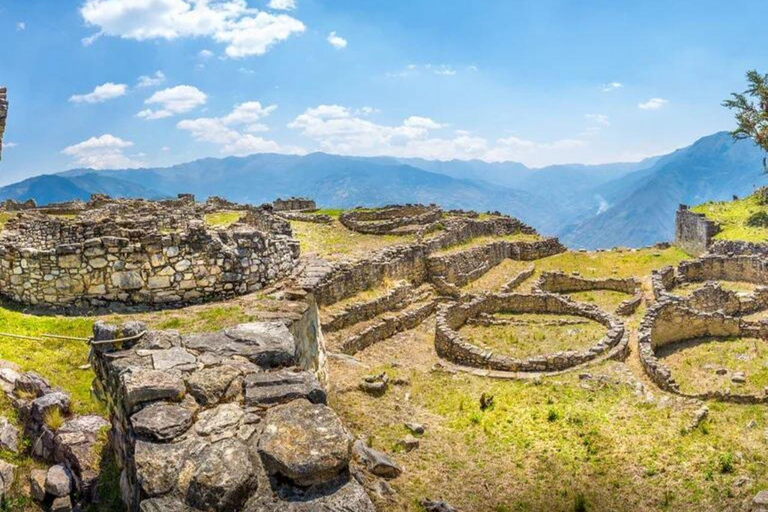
column 590, row 206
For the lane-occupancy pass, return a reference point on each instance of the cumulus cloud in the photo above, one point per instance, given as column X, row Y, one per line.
column 101, row 93
column 151, row 80
column 653, row 104
column 434, row 69
column 245, row 31
column 234, row 132
column 9, row 145
column 282, row 5
column 205, row 54
column 21, row 26
column 172, row 101
column 337, row 41
column 103, row 152
column 338, row 129
column 600, row 120
column 612, row 86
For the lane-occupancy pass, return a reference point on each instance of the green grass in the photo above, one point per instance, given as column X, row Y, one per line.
column 484, row 240
column 732, row 217
column 334, row 241
column 223, row 219
column 331, row 212
column 537, row 337
column 607, row 300
column 5, row 217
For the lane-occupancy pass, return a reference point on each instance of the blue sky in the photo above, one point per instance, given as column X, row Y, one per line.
column 541, row 82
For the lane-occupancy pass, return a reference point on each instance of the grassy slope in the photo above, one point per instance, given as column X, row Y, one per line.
column 732, row 217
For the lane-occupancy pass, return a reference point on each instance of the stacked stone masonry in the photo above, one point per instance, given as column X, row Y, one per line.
column 559, row 282
column 294, row 204
column 3, row 115
column 222, row 422
column 693, row 231
column 451, row 346
column 141, row 252
column 396, row 220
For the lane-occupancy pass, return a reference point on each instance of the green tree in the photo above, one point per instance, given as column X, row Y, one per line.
column 751, row 108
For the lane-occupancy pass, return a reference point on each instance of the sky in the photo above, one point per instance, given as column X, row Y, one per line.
column 148, row 83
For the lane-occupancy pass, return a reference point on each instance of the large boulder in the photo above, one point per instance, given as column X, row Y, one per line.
column 223, row 477
column 270, row 388
column 142, row 385
column 304, row 442
column 268, row 344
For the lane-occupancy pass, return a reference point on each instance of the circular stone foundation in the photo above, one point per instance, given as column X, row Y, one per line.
column 562, row 283
column 672, row 322
column 452, row 346
column 392, row 220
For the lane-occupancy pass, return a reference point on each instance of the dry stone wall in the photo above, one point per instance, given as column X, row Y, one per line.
column 389, row 219
column 157, row 255
column 559, row 282
column 450, row 345
column 3, row 115
column 693, row 231
column 294, row 204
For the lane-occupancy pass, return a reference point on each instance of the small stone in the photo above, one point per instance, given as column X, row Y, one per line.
column 142, row 385
column 760, row 501
column 751, row 424
column 58, row 481
column 721, row 371
column 739, row 378
column 9, row 436
column 415, row 428
column 62, row 504
column 37, row 483
column 375, row 462
column 7, row 476
column 46, row 403
column 436, row 506
column 209, row 386
column 410, row 443
column 217, row 421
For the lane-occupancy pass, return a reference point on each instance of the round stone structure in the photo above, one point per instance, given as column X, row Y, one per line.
column 560, row 282
column 392, row 220
column 670, row 322
column 451, row 346
column 137, row 252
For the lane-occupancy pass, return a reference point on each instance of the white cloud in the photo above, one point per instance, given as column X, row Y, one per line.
column 21, row 26
column 101, row 93
column 282, row 5
column 612, row 86
column 103, row 152
column 174, row 100
column 336, row 41
column 653, row 104
column 151, row 81
column 9, row 145
column 435, row 69
column 234, row 132
column 338, row 129
column 441, row 70
column 205, row 54
column 245, row 31
column 600, row 120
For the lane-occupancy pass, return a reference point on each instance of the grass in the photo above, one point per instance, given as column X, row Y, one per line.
column 484, row 240
column 538, row 336
column 334, row 241
column 735, row 286
column 694, row 364
column 607, row 300
column 733, row 216
column 5, row 217
column 223, row 219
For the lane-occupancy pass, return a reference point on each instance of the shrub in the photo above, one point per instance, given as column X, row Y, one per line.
column 758, row 220
column 53, row 418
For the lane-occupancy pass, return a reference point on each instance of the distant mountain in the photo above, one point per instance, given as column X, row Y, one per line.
column 590, row 206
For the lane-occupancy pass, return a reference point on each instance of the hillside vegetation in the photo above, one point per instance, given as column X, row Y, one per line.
column 739, row 219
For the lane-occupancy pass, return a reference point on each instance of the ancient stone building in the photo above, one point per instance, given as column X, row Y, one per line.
column 3, row 115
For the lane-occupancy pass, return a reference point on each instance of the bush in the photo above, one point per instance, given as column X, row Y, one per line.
column 758, row 220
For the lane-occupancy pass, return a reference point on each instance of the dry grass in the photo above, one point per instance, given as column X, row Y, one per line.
column 484, row 240
column 223, row 219
column 334, row 241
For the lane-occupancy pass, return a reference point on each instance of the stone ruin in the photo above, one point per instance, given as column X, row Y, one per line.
column 394, row 220
column 137, row 252
column 3, row 115
column 450, row 345
column 294, row 204
column 712, row 297
column 559, row 282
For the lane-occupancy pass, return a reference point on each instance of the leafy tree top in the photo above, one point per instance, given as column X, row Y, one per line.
column 751, row 108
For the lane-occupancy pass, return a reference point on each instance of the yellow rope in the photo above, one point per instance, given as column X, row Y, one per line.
column 118, row 340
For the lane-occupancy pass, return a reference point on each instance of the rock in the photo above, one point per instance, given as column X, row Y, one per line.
column 58, row 481
column 278, row 387
column 760, row 502
column 738, row 378
column 304, row 442
column 219, row 420
column 347, row 496
column 62, row 504
column 436, row 506
column 8, row 378
column 162, row 421
column 32, row 384
column 751, row 424
column 77, row 444
column 209, row 386
column 9, row 436
column 410, row 443
column 143, row 385
column 223, row 477
column 415, row 428
column 7, row 476
column 375, row 462
column 46, row 403
column 158, row 465
column 175, row 357
column 164, row 504
column 267, row 344
column 721, row 371
column 374, row 384
column 37, row 483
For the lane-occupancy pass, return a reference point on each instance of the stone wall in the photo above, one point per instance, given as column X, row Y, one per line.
column 3, row 115
column 450, row 345
column 294, row 204
column 165, row 259
column 356, row 313
column 693, row 231
column 738, row 248
column 222, row 421
column 389, row 219
column 559, row 282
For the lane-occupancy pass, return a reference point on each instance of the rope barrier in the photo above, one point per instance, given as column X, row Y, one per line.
column 43, row 337
column 118, row 340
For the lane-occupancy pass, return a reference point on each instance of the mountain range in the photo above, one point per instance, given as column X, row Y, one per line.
column 587, row 206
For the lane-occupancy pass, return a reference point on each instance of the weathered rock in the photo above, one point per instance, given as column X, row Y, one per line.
column 78, row 443
column 7, row 476
column 215, row 422
column 176, row 357
column 164, row 504
column 374, row 384
column 278, row 387
column 346, row 495
column 9, row 436
column 37, row 483
column 45, row 404
column 62, row 504
column 210, row 385
column 436, row 506
column 58, row 481
column 304, row 442
column 267, row 344
column 142, row 386
column 158, row 465
column 739, row 378
column 410, row 443
column 162, row 421
column 415, row 428
column 375, row 462
column 32, row 384
column 223, row 477
column 760, row 502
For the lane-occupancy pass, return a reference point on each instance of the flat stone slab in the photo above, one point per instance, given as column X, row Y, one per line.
column 174, row 358
column 270, row 388
column 268, row 344
column 375, row 461
column 144, row 385
column 162, row 421
column 304, row 442
column 211, row 385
